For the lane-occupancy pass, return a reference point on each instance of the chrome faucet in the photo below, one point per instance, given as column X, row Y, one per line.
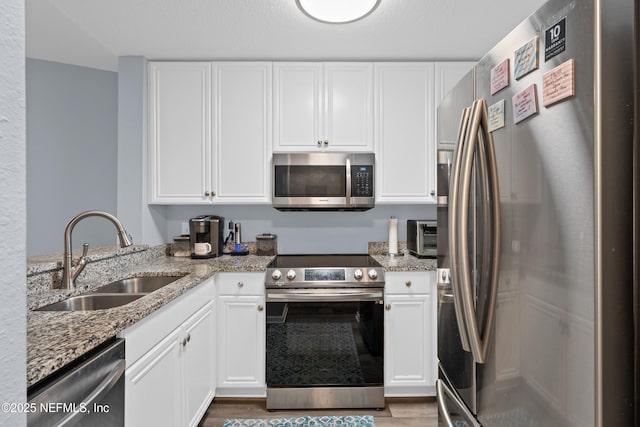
column 70, row 272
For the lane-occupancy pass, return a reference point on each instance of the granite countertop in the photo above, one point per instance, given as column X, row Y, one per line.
column 406, row 262
column 56, row 338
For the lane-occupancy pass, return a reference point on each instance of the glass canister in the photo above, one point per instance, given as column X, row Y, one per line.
column 266, row 244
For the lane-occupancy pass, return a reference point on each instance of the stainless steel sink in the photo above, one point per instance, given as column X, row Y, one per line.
column 137, row 285
column 113, row 295
column 92, row 302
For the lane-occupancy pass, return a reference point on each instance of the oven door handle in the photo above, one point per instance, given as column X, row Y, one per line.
column 332, row 295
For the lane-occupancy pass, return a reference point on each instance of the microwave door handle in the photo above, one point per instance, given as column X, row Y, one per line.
column 348, row 175
column 454, row 186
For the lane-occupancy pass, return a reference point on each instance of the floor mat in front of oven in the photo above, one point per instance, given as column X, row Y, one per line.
column 300, row 353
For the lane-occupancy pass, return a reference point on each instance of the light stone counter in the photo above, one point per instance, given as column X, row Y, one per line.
column 56, row 338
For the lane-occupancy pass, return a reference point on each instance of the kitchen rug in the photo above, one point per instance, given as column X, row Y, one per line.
column 306, row 421
column 300, row 353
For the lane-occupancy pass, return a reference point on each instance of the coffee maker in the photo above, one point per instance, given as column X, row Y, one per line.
column 206, row 235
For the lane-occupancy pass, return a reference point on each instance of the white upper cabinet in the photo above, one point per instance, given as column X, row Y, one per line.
column 447, row 76
column 209, row 123
column 404, row 132
column 323, row 106
column 241, row 132
column 179, row 131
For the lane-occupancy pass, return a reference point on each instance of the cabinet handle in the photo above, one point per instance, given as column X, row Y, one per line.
column 326, row 142
column 260, row 307
column 408, row 283
column 240, row 285
column 387, row 307
column 207, row 193
column 213, row 194
column 433, row 193
column 186, row 339
column 319, row 143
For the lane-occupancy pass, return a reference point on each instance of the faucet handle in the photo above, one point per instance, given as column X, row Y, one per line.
column 85, row 249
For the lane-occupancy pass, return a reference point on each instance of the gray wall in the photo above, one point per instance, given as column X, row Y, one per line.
column 71, row 153
column 308, row 232
column 13, row 357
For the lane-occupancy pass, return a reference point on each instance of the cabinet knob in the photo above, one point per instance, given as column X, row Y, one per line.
column 188, row 337
column 408, row 283
column 207, row 193
column 213, row 194
column 319, row 143
column 184, row 342
column 240, row 284
column 387, row 307
column 433, row 193
column 326, row 142
column 260, row 307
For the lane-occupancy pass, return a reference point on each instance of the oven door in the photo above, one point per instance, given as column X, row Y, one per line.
column 324, row 348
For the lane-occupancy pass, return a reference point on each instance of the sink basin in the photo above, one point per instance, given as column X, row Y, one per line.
column 92, row 302
column 137, row 285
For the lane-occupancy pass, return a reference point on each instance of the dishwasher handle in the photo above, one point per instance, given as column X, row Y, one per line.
column 95, row 396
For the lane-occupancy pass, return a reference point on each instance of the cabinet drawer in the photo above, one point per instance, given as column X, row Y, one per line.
column 240, row 283
column 408, row 282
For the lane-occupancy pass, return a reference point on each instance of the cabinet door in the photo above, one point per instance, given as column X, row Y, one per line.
column 297, row 106
column 447, row 75
column 348, row 106
column 404, row 133
column 198, row 362
column 408, row 331
column 241, row 132
column 179, row 132
column 241, row 346
column 153, row 386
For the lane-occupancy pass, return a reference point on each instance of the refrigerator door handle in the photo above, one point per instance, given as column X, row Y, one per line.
column 479, row 341
column 454, row 187
column 442, row 392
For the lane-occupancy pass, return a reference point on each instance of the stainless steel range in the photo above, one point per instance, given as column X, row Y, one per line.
column 325, row 329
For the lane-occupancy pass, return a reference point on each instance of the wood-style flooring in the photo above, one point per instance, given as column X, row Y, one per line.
column 398, row 412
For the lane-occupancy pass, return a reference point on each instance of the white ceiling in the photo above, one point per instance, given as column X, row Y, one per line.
column 93, row 33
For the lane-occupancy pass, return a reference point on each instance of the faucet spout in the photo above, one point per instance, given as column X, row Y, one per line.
column 70, row 272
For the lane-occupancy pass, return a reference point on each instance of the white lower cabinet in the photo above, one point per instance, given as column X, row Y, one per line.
column 410, row 346
column 241, row 335
column 169, row 380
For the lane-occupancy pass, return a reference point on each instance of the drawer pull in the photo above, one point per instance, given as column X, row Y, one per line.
column 240, row 285
column 408, row 283
column 260, row 307
column 387, row 307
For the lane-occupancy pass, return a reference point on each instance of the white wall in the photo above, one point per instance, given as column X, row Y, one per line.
column 13, row 376
column 71, row 153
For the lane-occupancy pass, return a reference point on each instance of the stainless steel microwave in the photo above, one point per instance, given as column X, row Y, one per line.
column 323, row 181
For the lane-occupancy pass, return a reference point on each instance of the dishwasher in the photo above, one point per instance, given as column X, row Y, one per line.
column 90, row 392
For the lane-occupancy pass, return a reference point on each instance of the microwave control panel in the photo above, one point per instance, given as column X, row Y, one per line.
column 361, row 181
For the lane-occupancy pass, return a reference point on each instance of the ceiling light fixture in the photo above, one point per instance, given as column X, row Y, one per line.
column 337, row 11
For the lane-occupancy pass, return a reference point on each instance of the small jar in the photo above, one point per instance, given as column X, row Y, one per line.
column 266, row 244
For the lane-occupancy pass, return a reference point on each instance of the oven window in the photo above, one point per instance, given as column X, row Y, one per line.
column 324, row 344
column 310, row 181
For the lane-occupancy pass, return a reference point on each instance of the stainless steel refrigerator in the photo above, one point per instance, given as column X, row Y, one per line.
column 535, row 225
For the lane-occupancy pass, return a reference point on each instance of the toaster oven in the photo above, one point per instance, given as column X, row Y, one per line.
column 422, row 237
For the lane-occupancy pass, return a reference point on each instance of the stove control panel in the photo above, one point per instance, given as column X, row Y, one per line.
column 325, row 277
